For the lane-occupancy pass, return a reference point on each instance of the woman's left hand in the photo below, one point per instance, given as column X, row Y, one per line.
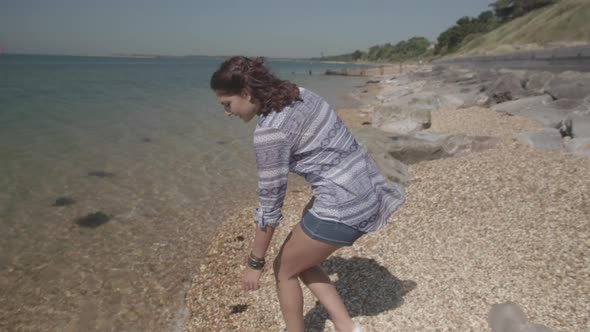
column 251, row 279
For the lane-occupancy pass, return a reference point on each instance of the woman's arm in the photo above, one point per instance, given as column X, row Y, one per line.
column 272, row 152
column 262, row 240
column 251, row 277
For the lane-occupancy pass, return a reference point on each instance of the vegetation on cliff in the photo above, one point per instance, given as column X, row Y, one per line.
column 507, row 25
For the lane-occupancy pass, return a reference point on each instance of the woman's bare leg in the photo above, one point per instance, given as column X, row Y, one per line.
column 298, row 254
column 324, row 290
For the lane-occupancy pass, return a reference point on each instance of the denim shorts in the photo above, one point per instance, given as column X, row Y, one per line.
column 330, row 232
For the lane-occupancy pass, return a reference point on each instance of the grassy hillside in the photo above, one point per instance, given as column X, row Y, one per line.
column 563, row 24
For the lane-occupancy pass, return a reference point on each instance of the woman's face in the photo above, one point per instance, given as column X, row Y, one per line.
column 242, row 105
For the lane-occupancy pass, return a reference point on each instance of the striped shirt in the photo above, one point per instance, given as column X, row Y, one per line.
column 309, row 139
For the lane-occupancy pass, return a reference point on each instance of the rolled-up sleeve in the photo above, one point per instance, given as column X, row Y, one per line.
column 272, row 152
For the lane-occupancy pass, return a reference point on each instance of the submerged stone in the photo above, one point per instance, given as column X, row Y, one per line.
column 93, row 220
column 63, row 201
column 147, row 140
column 101, row 174
column 238, row 308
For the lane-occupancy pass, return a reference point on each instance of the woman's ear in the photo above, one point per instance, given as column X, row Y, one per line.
column 245, row 94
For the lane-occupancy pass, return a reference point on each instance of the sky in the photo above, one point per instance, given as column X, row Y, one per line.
column 272, row 28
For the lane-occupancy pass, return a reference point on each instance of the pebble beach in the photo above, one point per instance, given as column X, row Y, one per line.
column 506, row 224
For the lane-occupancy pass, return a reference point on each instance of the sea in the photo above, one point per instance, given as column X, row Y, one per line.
column 114, row 175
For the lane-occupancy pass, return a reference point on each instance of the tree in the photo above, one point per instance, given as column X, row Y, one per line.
column 356, row 55
column 507, row 10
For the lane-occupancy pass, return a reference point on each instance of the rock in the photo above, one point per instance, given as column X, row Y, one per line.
column 580, row 124
column 537, row 82
column 432, row 100
column 488, row 75
column 395, row 94
column 420, row 146
column 578, row 146
column 395, row 119
column 509, row 317
column 461, row 77
column 570, row 85
column 546, row 139
column 93, row 220
column 423, row 146
column 376, row 143
column 518, row 73
column 506, row 317
column 571, row 104
column 466, row 99
column 537, row 107
column 63, row 201
column 403, row 80
column 507, row 87
column 458, row 145
column 393, row 170
column 565, row 128
column 101, row 174
column 435, row 101
column 238, row 308
column 551, row 113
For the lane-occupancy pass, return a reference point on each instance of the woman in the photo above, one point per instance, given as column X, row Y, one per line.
column 298, row 131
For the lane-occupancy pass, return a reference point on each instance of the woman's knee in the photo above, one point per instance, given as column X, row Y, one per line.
column 280, row 270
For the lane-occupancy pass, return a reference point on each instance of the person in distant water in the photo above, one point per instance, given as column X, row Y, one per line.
column 298, row 131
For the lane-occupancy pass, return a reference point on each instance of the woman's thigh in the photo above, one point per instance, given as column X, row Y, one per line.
column 300, row 252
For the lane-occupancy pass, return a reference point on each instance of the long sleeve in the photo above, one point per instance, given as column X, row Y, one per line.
column 272, row 151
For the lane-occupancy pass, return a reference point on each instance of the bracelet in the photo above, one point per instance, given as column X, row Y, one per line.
column 256, row 258
column 255, row 264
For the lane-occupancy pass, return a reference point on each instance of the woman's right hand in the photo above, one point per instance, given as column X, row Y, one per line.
column 251, row 279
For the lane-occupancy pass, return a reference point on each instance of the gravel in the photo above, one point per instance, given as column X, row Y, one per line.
column 505, row 224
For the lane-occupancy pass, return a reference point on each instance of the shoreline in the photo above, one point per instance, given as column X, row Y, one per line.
column 502, row 224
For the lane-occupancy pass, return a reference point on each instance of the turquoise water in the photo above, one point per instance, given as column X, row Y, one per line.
column 174, row 164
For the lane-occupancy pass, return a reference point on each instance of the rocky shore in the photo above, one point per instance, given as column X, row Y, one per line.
column 496, row 227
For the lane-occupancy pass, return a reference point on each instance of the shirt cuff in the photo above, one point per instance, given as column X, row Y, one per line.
column 271, row 219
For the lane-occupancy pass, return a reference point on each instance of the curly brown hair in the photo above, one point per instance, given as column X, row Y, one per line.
column 239, row 74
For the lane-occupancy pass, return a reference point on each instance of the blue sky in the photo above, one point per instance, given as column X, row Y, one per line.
column 295, row 28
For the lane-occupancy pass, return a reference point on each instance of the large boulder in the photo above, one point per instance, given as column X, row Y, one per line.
column 421, row 146
column 536, row 107
column 432, row 100
column 507, row 87
column 570, row 85
column 377, row 142
column 459, row 76
column 545, row 139
column 578, row 146
column 537, row 82
column 551, row 113
column 488, row 75
column 393, row 170
column 466, row 98
column 580, row 124
column 509, row 317
column 393, row 94
column 398, row 120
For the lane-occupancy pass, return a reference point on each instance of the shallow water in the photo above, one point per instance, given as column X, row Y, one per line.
column 142, row 141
